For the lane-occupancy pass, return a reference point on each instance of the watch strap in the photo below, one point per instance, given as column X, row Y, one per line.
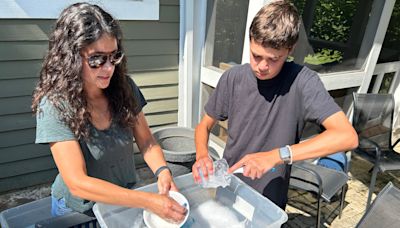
column 159, row 170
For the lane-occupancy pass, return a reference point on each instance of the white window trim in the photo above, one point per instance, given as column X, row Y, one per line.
column 383, row 10
column 51, row 9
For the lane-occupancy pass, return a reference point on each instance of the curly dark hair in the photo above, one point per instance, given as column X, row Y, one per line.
column 61, row 82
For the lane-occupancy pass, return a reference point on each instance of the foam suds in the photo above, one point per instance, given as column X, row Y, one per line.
column 209, row 214
column 213, row 214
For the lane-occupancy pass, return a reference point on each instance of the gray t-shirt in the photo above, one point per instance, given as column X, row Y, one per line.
column 108, row 153
column 267, row 114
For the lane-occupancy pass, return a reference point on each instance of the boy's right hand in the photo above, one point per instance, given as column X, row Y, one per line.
column 205, row 164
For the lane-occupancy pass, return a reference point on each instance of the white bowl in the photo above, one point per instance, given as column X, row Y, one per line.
column 154, row 221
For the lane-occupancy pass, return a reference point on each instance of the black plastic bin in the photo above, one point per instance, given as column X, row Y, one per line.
column 179, row 148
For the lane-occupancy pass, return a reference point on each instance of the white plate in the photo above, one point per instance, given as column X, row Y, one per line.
column 154, row 221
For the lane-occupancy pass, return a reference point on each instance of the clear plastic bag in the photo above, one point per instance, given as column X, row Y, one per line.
column 220, row 177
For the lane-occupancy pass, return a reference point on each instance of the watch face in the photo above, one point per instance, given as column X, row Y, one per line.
column 284, row 154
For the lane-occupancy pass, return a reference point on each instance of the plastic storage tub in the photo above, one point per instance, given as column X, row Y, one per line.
column 249, row 207
column 26, row 215
column 37, row 214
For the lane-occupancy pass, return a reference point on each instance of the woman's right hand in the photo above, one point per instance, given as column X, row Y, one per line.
column 205, row 164
column 167, row 208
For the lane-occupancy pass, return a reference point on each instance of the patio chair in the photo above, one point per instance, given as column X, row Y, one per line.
column 384, row 211
column 322, row 181
column 373, row 121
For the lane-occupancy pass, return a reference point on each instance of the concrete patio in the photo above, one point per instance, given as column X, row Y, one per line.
column 301, row 207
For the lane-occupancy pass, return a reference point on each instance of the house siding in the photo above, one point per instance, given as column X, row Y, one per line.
column 152, row 50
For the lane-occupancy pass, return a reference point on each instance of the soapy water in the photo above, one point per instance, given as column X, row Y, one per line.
column 209, row 214
column 212, row 214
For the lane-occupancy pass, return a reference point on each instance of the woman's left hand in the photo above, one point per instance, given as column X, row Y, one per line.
column 165, row 182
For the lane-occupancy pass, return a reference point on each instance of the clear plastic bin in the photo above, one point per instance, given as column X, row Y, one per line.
column 26, row 215
column 37, row 214
column 249, row 207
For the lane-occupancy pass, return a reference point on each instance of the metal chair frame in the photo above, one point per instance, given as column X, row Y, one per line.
column 318, row 182
column 381, row 157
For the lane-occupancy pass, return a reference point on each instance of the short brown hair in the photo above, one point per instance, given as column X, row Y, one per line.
column 276, row 25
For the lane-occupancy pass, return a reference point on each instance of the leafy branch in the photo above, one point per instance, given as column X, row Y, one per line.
column 323, row 57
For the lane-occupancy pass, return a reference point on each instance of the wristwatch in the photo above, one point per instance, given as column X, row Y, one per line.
column 284, row 153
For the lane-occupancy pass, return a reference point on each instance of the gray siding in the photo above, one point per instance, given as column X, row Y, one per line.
column 152, row 50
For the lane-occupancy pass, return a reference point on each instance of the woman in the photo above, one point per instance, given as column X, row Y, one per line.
column 88, row 110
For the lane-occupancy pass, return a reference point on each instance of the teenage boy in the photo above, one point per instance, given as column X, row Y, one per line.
column 267, row 104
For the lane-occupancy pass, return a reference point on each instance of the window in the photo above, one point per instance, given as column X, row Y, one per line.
column 390, row 51
column 340, row 39
column 331, row 34
column 386, row 83
column 226, row 24
column 50, row 9
column 381, row 84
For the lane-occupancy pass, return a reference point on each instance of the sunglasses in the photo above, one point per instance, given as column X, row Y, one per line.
column 98, row 60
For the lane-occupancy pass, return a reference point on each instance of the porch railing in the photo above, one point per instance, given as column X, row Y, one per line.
column 391, row 69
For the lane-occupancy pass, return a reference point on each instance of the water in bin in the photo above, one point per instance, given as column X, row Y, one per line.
column 236, row 205
column 220, row 178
